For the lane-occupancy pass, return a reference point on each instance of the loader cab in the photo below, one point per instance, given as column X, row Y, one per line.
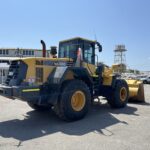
column 69, row 48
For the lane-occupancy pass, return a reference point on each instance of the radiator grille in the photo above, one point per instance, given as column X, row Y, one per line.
column 39, row 74
column 13, row 71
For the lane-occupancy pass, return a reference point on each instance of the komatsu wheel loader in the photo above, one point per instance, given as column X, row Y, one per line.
column 69, row 83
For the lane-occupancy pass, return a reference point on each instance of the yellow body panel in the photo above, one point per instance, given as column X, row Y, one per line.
column 43, row 58
column 90, row 67
column 136, row 90
column 107, row 76
column 31, row 69
column 47, row 72
column 47, row 69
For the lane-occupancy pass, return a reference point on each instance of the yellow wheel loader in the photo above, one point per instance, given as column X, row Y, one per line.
column 69, row 83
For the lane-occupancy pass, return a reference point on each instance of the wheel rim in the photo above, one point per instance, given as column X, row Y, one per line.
column 78, row 101
column 123, row 94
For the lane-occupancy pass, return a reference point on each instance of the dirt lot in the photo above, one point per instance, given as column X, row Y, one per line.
column 103, row 128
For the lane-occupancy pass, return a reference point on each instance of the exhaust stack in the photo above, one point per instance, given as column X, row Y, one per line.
column 43, row 48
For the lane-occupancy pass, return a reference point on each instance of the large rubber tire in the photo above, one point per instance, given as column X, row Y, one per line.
column 119, row 95
column 64, row 109
column 38, row 107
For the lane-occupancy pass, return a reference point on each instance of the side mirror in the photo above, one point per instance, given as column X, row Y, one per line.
column 99, row 46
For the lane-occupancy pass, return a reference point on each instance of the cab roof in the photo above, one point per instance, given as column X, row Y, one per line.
column 77, row 38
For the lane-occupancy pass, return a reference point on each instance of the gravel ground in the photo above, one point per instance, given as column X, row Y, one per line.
column 103, row 128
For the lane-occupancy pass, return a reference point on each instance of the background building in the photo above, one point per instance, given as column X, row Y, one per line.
column 20, row 52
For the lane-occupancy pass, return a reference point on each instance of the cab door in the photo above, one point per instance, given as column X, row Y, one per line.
column 89, row 57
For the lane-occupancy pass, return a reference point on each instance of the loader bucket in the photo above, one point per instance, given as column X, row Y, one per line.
column 136, row 91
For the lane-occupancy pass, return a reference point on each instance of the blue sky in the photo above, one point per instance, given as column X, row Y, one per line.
column 23, row 23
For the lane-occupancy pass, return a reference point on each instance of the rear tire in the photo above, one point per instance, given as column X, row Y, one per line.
column 74, row 101
column 119, row 95
column 38, row 107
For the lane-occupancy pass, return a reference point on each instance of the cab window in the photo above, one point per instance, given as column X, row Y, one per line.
column 89, row 53
column 67, row 51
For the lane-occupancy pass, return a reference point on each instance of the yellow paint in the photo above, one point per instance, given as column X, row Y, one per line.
column 90, row 67
column 95, row 76
column 134, row 86
column 123, row 94
column 47, row 71
column 31, row 68
column 43, row 58
column 31, row 63
column 78, row 101
column 107, row 76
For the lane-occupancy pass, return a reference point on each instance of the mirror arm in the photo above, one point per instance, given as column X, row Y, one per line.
column 99, row 46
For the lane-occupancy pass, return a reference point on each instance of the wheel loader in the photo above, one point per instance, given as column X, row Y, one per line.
column 70, row 83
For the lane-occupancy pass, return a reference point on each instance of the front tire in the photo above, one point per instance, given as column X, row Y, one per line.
column 119, row 95
column 74, row 101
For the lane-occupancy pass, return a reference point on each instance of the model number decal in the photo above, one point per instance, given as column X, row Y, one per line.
column 51, row 63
